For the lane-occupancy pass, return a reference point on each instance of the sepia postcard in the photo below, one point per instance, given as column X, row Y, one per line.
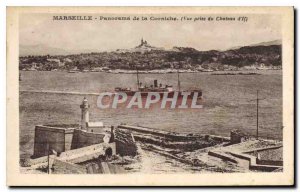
column 150, row 96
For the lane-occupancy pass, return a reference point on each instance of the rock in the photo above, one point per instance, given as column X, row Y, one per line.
column 125, row 143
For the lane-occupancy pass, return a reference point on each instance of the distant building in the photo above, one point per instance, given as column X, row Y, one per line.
column 144, row 46
column 67, row 60
column 94, row 127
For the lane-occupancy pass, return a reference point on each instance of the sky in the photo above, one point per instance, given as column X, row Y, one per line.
column 41, row 29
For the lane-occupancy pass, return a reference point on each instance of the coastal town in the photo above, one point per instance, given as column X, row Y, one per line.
column 150, row 59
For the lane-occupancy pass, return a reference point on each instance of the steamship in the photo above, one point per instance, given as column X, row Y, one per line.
column 160, row 89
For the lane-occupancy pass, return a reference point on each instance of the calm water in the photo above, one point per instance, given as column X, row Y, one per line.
column 229, row 103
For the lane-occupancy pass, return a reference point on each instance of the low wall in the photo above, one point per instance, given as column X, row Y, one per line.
column 88, row 153
column 96, row 147
column 255, row 164
column 82, row 138
column 268, row 156
column 222, row 156
column 77, row 155
column 181, row 145
column 171, row 135
column 269, row 162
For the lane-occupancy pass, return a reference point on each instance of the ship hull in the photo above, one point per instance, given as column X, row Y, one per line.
column 169, row 94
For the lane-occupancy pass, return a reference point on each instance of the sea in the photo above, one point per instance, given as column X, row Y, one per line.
column 229, row 102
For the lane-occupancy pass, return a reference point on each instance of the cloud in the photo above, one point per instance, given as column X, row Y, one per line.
column 110, row 35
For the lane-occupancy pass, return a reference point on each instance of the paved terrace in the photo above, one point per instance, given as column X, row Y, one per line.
column 241, row 152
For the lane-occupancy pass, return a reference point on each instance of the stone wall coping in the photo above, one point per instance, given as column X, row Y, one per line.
column 91, row 133
column 91, row 151
column 55, row 129
column 263, row 149
column 66, row 130
column 166, row 133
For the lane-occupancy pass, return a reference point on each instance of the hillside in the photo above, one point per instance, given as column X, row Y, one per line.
column 268, row 43
column 146, row 57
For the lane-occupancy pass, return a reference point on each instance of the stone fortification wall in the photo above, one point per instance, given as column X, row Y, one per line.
column 61, row 139
column 82, row 138
column 51, row 138
column 171, row 135
column 125, row 143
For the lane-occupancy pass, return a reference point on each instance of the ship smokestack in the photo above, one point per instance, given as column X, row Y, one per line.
column 155, row 83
